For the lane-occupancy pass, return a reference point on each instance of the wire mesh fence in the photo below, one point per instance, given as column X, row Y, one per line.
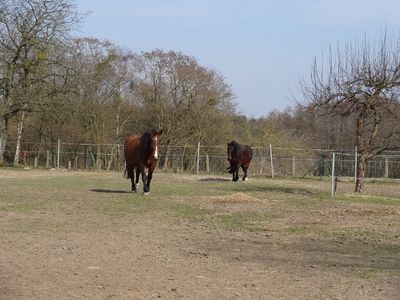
column 267, row 161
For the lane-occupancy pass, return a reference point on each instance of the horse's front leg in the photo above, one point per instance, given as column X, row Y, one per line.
column 149, row 177
column 235, row 172
column 137, row 176
column 145, row 180
column 131, row 175
column 244, row 168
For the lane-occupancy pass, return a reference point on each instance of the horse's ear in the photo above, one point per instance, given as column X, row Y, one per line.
column 160, row 132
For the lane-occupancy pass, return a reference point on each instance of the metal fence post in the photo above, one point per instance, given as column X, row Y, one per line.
column 386, row 167
column 272, row 163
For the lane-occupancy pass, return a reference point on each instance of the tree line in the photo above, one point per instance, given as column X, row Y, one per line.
column 86, row 90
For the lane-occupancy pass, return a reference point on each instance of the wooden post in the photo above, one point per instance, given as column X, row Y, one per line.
column 208, row 163
column 198, row 158
column 35, row 162
column 69, row 165
column 272, row 163
column 386, row 167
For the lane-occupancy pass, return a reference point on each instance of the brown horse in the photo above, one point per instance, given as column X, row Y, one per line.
column 239, row 156
column 142, row 152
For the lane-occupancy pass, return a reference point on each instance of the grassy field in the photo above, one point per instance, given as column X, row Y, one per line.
column 79, row 235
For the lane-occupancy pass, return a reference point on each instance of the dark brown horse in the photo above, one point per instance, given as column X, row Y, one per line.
column 239, row 156
column 141, row 153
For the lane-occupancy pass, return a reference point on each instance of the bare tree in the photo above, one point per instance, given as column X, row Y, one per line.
column 184, row 98
column 361, row 82
column 27, row 29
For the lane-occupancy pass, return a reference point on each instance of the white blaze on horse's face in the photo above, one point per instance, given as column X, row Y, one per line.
column 156, row 148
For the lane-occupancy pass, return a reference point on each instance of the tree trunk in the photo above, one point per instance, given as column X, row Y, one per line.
column 183, row 158
column 3, row 142
column 360, row 126
column 98, row 158
column 116, row 145
column 19, row 137
column 3, row 138
column 111, row 159
column 361, row 168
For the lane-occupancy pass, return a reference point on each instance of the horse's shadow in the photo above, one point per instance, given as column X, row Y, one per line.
column 215, row 179
column 109, row 191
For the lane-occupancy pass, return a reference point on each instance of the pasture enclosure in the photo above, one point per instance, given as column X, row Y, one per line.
column 76, row 235
column 267, row 160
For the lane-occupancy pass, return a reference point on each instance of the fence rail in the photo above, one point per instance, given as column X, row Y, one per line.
column 267, row 161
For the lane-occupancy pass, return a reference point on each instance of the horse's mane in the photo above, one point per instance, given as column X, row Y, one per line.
column 148, row 134
column 239, row 147
column 234, row 143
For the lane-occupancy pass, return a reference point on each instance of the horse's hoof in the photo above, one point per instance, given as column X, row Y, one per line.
column 244, row 179
column 134, row 191
column 146, row 193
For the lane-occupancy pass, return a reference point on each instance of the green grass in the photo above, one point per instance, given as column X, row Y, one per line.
column 372, row 199
column 333, row 233
column 298, row 230
column 291, row 210
column 293, row 222
column 244, row 221
column 107, row 194
column 188, row 212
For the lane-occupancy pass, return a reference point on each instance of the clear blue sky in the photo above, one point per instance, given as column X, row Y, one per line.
column 261, row 47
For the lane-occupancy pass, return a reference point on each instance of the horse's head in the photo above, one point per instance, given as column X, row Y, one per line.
column 231, row 150
column 155, row 144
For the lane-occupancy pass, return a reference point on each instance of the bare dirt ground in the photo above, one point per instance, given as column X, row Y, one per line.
column 79, row 235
